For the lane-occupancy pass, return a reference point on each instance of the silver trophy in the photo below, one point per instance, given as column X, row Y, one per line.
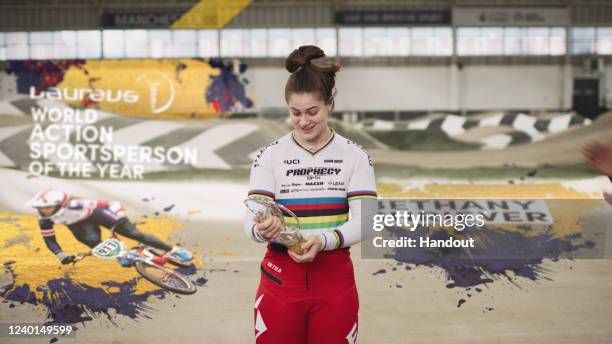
column 290, row 235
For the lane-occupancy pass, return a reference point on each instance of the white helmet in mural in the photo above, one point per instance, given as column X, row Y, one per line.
column 48, row 198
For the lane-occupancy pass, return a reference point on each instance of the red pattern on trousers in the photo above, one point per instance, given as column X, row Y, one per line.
column 313, row 302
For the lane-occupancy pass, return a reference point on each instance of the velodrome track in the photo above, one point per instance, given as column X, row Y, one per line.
column 396, row 306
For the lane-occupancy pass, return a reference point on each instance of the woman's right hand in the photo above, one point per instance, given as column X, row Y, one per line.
column 270, row 227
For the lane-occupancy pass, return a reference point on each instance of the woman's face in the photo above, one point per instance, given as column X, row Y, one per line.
column 308, row 113
column 46, row 211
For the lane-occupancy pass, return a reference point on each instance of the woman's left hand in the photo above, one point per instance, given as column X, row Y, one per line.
column 310, row 248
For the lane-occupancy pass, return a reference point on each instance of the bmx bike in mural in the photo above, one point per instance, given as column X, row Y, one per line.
column 149, row 262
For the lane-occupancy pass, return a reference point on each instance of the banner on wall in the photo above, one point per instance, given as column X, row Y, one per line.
column 442, row 17
column 139, row 19
column 510, row 16
column 171, row 88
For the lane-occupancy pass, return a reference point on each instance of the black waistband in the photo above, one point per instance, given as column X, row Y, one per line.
column 277, row 247
column 283, row 249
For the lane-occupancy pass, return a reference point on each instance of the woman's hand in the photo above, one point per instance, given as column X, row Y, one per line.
column 599, row 156
column 310, row 248
column 270, row 227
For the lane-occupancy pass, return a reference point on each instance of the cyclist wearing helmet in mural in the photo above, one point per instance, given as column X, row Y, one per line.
column 319, row 175
column 84, row 217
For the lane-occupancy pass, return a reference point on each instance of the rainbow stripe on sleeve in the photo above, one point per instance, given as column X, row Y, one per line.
column 262, row 193
column 361, row 194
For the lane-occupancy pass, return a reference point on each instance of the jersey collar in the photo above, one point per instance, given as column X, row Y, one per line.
column 318, row 150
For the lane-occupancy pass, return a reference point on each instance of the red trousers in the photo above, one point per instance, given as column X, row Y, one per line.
column 304, row 303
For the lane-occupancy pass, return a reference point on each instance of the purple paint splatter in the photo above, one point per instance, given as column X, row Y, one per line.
column 498, row 254
column 40, row 74
column 69, row 302
column 228, row 88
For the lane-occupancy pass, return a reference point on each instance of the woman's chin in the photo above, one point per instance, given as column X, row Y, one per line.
column 307, row 135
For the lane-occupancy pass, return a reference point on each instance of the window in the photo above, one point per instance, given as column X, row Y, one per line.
column 88, row 44
column 326, row 40
column 513, row 41
column 361, row 42
column 591, row 40
column 386, row 41
column 432, row 42
column 604, row 41
column 160, row 43
column 495, row 41
column 41, row 45
column 468, row 41
column 258, row 43
column 535, row 41
column 208, row 43
column 136, row 43
column 557, row 41
column 184, row 43
column 377, row 42
column 280, row 42
column 64, row 44
column 17, row 47
column 351, row 41
column 114, row 44
column 583, row 41
column 234, row 42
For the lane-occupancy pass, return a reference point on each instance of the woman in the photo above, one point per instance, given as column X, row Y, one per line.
column 319, row 175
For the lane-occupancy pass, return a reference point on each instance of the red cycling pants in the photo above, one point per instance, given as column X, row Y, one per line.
column 310, row 303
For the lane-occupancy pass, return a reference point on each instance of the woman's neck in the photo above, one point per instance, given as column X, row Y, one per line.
column 317, row 143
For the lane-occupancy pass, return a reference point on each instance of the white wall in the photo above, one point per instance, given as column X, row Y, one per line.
column 379, row 88
column 434, row 87
column 512, row 87
column 364, row 88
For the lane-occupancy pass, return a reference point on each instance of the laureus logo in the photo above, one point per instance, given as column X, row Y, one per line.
column 155, row 80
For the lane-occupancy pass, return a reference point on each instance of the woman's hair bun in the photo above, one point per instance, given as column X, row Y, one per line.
column 311, row 71
column 301, row 56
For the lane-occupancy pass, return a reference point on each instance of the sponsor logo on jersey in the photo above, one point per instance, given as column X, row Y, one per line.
column 332, row 161
column 291, row 161
column 260, row 153
column 314, row 183
column 284, row 191
column 316, row 171
column 363, row 150
column 291, row 185
column 335, row 183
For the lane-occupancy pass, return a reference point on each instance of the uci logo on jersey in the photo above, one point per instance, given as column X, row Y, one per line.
column 292, row 162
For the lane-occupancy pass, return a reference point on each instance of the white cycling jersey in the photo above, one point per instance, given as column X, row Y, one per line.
column 319, row 187
column 77, row 209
